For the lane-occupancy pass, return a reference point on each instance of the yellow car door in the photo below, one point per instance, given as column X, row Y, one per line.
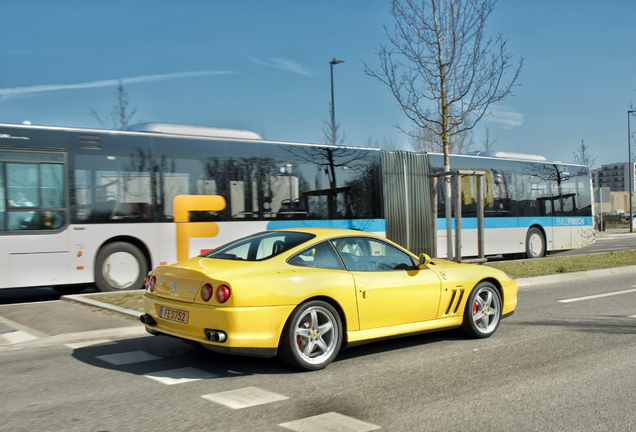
column 388, row 298
column 390, row 290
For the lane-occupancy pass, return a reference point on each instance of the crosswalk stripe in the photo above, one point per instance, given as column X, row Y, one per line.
column 329, row 422
column 17, row 337
column 180, row 375
column 128, row 357
column 245, row 397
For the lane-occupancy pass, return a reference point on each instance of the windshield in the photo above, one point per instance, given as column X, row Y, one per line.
column 260, row 246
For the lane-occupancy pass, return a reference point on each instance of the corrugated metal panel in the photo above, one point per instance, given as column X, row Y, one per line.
column 407, row 200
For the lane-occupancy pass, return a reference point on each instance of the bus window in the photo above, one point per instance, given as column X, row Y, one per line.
column 114, row 181
column 34, row 195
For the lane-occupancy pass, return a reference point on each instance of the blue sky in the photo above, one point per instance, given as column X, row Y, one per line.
column 264, row 66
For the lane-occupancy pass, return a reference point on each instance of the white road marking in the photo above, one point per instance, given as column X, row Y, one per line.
column 245, row 397
column 90, row 343
column 128, row 357
column 17, row 326
column 17, row 337
column 329, row 422
column 179, row 376
column 597, row 296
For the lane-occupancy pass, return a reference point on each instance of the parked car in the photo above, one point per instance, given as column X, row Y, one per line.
column 306, row 294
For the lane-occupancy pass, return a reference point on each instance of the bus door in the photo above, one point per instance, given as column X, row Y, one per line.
column 33, row 218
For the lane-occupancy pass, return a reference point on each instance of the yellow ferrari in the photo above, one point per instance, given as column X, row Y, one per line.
column 306, row 294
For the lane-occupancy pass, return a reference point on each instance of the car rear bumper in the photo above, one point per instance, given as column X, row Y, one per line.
column 249, row 330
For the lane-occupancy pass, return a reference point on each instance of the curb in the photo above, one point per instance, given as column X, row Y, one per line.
column 82, row 298
column 572, row 277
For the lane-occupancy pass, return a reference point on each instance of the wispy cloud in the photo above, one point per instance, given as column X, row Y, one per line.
column 8, row 93
column 284, row 64
column 505, row 115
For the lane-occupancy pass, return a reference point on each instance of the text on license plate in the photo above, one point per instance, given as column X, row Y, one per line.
column 174, row 314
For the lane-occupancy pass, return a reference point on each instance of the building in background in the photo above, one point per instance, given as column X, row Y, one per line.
column 614, row 176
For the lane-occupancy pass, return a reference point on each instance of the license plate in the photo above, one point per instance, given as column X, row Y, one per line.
column 174, row 315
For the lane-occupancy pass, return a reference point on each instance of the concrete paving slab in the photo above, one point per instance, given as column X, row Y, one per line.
column 60, row 317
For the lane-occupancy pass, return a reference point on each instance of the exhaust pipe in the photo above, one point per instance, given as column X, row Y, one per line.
column 147, row 320
column 215, row 336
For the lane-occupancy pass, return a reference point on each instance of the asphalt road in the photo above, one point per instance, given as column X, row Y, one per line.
column 552, row 366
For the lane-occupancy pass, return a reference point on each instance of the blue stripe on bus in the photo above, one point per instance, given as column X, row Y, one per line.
column 521, row 222
column 369, row 225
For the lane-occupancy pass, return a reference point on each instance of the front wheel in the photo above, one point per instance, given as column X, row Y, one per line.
column 483, row 311
column 120, row 266
column 312, row 336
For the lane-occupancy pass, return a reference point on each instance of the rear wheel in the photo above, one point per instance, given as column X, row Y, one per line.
column 535, row 243
column 120, row 266
column 483, row 311
column 312, row 336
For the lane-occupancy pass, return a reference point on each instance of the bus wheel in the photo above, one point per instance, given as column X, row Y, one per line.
column 535, row 243
column 120, row 266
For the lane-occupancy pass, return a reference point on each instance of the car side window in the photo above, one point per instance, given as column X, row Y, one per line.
column 321, row 255
column 366, row 254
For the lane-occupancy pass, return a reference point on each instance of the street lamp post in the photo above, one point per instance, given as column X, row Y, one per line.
column 631, row 173
column 333, row 108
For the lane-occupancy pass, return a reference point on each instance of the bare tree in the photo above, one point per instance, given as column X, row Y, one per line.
column 582, row 155
column 387, row 143
column 443, row 70
column 428, row 141
column 486, row 143
column 119, row 115
column 439, row 55
column 331, row 133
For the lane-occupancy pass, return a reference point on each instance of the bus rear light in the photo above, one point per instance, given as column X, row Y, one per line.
column 206, row 292
column 223, row 293
column 80, row 267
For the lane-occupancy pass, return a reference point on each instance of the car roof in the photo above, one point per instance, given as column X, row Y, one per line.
column 326, row 233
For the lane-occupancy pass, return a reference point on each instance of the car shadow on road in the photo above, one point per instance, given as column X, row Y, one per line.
column 401, row 342
column 161, row 353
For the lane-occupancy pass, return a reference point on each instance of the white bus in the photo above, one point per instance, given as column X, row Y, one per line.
column 87, row 206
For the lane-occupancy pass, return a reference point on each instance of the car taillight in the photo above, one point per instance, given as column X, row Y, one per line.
column 222, row 293
column 146, row 282
column 152, row 282
column 206, row 292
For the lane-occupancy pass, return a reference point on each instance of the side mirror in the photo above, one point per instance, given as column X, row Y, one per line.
column 424, row 260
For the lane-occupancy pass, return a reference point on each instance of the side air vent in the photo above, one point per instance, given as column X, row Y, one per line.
column 452, row 302
column 90, row 142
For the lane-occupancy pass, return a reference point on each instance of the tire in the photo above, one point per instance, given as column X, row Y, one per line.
column 120, row 266
column 312, row 336
column 482, row 313
column 535, row 243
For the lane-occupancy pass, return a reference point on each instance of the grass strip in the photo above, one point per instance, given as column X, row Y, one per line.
column 557, row 265
column 127, row 300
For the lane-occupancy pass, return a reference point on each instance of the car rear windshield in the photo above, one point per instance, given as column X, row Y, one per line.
column 260, row 246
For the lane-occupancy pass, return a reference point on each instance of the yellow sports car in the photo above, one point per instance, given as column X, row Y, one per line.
column 306, row 294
